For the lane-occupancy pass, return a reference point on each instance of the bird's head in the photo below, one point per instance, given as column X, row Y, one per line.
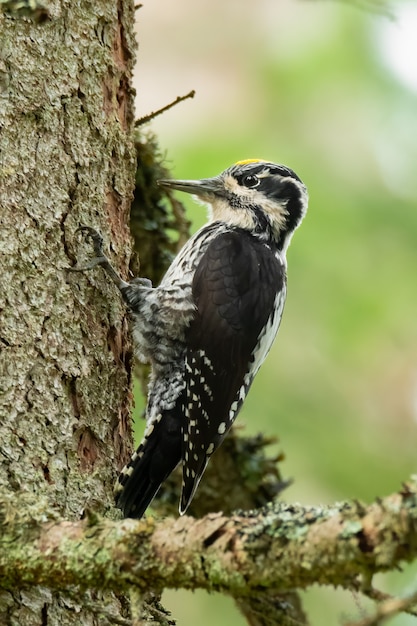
column 266, row 199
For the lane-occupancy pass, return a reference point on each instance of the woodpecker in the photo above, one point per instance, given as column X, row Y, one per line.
column 207, row 328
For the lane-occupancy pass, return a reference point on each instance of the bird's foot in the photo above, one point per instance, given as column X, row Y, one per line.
column 100, row 258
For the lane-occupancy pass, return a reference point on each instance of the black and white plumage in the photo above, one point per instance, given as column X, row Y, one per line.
column 209, row 325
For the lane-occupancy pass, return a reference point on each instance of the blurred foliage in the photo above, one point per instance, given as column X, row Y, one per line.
column 309, row 85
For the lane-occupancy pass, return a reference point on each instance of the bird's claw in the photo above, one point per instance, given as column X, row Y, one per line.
column 100, row 258
column 97, row 239
column 95, row 236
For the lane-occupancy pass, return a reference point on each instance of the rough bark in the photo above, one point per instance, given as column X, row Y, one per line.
column 67, row 157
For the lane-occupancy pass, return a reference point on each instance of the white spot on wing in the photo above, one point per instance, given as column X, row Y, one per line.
column 222, row 428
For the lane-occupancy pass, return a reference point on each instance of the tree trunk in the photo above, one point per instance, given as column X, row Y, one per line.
column 67, row 157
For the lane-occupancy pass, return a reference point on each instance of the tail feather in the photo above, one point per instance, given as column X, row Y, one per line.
column 190, row 482
column 157, row 456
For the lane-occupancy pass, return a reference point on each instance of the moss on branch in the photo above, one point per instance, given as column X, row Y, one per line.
column 279, row 547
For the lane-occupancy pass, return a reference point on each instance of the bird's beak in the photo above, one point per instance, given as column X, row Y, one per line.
column 204, row 189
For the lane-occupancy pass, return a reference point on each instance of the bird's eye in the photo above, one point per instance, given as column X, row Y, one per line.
column 250, row 181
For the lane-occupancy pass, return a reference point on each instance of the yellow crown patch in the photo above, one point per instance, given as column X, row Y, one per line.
column 247, row 161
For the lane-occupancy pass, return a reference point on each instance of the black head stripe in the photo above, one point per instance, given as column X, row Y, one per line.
column 240, row 171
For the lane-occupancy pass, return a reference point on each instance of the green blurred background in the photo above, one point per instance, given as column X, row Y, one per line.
column 329, row 89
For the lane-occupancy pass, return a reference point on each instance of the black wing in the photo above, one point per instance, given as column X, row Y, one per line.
column 234, row 289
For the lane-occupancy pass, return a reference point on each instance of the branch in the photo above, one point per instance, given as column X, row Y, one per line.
column 381, row 597
column 147, row 118
column 388, row 608
column 278, row 548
